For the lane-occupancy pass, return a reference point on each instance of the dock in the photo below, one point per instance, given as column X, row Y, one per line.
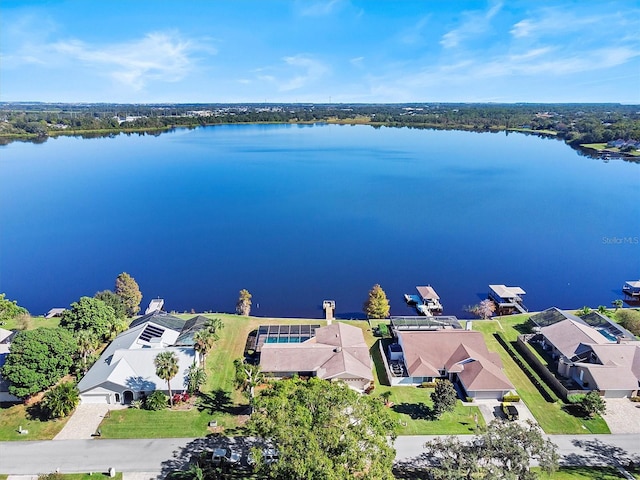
column 631, row 291
column 426, row 302
column 508, row 300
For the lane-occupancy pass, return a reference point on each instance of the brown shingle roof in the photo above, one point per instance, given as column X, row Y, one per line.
column 568, row 335
column 463, row 352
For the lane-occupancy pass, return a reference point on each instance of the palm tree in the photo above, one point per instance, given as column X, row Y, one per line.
column 213, row 325
column 583, row 311
column 61, row 400
column 87, row 344
column 203, row 343
column 166, row 368
column 602, row 309
column 617, row 304
column 248, row 377
column 196, row 376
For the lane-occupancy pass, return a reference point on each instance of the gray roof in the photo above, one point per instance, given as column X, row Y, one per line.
column 191, row 326
column 571, row 337
column 553, row 315
column 127, row 363
column 160, row 318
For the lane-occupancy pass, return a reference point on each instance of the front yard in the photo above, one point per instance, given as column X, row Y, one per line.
column 552, row 416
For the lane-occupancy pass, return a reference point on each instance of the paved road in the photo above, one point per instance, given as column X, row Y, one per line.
column 164, row 455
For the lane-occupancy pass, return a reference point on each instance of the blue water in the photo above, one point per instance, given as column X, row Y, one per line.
column 299, row 214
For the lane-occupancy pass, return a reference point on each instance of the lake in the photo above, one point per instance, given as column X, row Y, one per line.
column 301, row 213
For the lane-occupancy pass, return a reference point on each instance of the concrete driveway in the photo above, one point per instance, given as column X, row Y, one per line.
column 491, row 410
column 623, row 415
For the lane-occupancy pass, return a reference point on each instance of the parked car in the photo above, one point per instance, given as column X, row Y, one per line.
column 269, row 456
column 224, row 455
column 510, row 411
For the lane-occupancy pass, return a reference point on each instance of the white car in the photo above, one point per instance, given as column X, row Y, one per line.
column 224, row 455
column 269, row 456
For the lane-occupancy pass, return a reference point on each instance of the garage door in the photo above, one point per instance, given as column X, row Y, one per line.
column 96, row 398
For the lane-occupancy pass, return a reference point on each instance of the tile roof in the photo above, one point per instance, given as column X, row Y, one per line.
column 338, row 350
column 568, row 335
column 458, row 351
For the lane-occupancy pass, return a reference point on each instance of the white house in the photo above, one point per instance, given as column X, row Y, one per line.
column 125, row 371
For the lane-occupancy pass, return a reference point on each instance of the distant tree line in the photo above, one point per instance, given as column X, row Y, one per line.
column 574, row 123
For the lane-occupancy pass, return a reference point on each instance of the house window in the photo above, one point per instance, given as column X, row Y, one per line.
column 117, row 398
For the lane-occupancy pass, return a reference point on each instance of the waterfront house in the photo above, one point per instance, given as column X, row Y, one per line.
column 335, row 352
column 126, row 371
column 592, row 351
column 460, row 356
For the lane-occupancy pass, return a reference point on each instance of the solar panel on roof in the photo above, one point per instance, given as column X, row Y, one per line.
column 150, row 332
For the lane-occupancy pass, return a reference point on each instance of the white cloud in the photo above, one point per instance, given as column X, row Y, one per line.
column 157, row 56
column 357, row 61
column 475, row 23
column 312, row 70
column 319, row 8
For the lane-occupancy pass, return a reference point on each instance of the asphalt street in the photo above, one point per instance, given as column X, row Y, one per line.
column 167, row 454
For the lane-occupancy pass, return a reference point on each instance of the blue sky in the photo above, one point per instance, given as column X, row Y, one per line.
column 146, row 51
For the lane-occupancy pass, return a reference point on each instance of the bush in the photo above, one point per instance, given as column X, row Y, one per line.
column 629, row 319
column 470, row 399
column 383, row 329
column 179, row 398
column 511, row 398
column 156, row 401
column 138, row 404
column 428, row 385
column 635, row 398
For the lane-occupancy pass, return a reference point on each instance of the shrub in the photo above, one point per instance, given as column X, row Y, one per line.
column 179, row 398
column 156, row 401
column 470, row 399
column 511, row 398
column 635, row 398
column 383, row 328
column 136, row 404
column 428, row 385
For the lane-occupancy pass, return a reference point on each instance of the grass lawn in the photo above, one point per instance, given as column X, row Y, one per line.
column 133, row 423
column 12, row 417
column 220, row 402
column 582, row 473
column 551, row 416
column 29, row 323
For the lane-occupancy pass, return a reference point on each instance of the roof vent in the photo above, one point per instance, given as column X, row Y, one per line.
column 337, row 349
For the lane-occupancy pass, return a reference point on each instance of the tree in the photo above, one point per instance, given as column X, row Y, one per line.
column 504, row 451
column 243, row 306
column 324, row 430
column 61, row 400
column 629, row 319
column 129, row 291
column 248, row 377
column 590, row 403
column 205, row 338
column 156, row 401
column 87, row 345
column 9, row 309
column 485, row 309
column 196, row 376
column 89, row 314
column 377, row 305
column 602, row 310
column 617, row 304
column 583, row 311
column 166, row 368
column 444, row 397
column 38, row 359
column 114, row 300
